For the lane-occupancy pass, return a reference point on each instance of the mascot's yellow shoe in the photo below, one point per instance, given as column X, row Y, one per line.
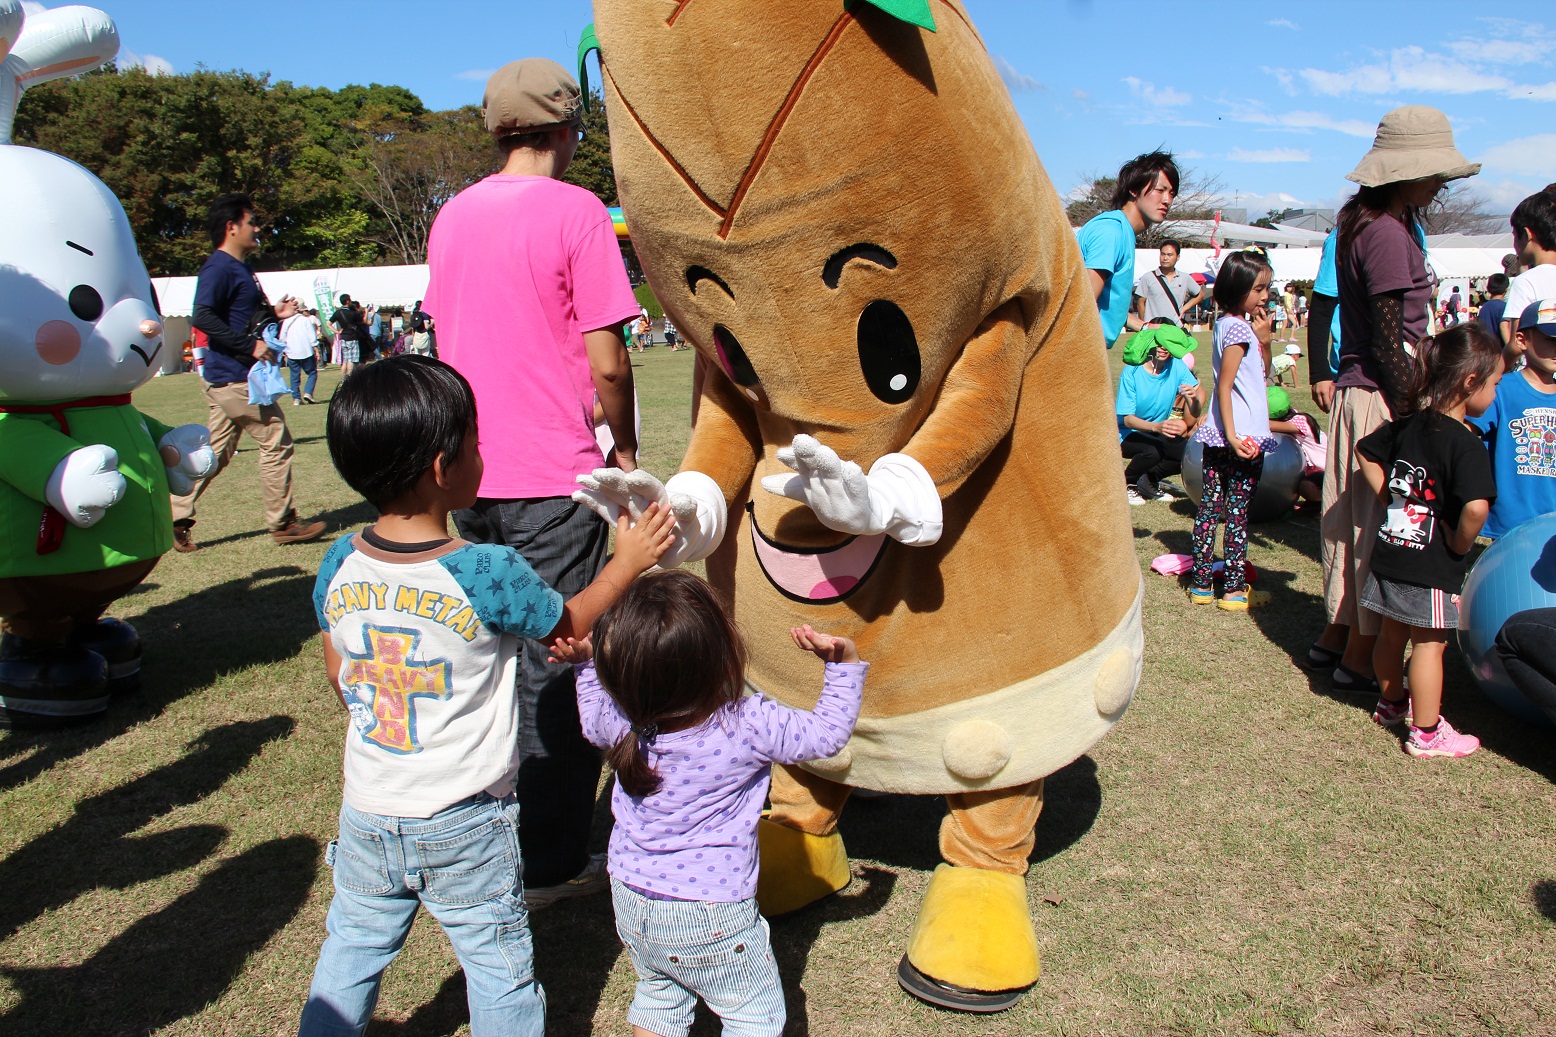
column 973, row 947
column 797, row 869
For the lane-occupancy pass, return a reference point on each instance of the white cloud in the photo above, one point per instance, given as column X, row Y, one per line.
column 1189, row 154
column 1500, row 52
column 480, row 75
column 1505, row 193
column 1282, row 23
column 1080, row 95
column 1543, row 92
column 1300, row 120
column 1163, row 97
column 150, row 62
column 1269, row 155
column 1014, row 78
column 1530, row 156
column 1406, row 69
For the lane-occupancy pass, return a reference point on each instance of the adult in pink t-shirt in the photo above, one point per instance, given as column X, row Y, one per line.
column 529, row 293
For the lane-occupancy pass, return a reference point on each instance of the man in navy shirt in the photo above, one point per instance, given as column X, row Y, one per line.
column 230, row 308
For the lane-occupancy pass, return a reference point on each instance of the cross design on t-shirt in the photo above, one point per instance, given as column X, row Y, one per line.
column 381, row 685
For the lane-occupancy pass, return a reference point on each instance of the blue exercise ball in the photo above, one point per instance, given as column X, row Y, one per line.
column 1276, row 493
column 1517, row 572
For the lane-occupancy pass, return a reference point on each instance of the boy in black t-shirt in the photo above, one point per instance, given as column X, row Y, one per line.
column 1434, row 475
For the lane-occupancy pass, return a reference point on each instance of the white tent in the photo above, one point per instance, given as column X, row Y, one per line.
column 380, row 285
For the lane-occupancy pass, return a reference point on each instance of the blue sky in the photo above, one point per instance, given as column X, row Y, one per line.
column 1278, row 101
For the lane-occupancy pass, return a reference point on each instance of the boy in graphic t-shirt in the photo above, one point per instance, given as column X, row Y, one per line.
column 421, row 637
column 1520, row 427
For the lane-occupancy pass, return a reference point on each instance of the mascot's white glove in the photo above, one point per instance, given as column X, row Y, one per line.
column 86, row 484
column 694, row 499
column 187, row 455
column 897, row 498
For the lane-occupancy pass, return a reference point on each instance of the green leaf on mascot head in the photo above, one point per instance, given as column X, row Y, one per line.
column 1280, row 402
column 587, row 42
column 914, row 12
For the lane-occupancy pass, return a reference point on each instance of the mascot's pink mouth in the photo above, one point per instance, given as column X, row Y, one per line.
column 821, row 576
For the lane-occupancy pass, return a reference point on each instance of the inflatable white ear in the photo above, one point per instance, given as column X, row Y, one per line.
column 66, row 41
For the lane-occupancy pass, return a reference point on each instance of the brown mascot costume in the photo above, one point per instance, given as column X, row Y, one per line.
column 905, row 431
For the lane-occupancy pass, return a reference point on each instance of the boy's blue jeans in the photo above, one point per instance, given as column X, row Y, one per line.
column 463, row 864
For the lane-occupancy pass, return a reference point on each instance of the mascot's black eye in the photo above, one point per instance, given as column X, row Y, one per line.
column 156, row 304
column 85, row 303
column 888, row 352
column 735, row 361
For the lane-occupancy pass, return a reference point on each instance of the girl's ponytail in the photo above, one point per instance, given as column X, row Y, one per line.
column 1446, row 361
column 637, row 776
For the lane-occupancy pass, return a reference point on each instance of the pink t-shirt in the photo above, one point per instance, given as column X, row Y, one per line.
column 521, row 267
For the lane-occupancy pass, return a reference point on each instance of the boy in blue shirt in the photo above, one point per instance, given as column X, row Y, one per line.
column 1147, row 185
column 421, row 638
column 1520, row 427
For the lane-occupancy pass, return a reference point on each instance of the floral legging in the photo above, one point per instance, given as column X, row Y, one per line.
column 1229, row 482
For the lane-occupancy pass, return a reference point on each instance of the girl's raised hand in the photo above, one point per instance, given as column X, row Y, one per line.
column 1261, row 320
column 640, row 545
column 828, row 648
column 571, row 650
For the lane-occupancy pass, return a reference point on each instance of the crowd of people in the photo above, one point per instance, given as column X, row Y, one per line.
column 1440, row 412
column 550, row 650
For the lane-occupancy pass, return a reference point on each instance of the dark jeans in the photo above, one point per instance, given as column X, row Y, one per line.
column 298, row 368
column 1527, row 645
column 565, row 543
column 1152, row 454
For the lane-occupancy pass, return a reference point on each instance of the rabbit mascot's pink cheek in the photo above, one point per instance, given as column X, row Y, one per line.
column 84, row 476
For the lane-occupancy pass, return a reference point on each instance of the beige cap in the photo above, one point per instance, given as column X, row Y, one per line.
column 531, row 94
column 1413, row 142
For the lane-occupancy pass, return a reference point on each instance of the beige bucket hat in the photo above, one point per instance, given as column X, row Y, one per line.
column 1413, row 142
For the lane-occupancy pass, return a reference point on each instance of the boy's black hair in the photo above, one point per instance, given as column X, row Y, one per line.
column 391, row 420
column 1235, row 279
column 225, row 209
column 1537, row 215
column 1497, row 284
column 1139, row 173
column 345, row 300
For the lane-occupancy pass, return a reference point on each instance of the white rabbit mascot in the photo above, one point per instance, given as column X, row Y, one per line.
column 84, row 476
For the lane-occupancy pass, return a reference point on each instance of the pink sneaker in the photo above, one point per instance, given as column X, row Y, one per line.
column 1445, row 741
column 1387, row 714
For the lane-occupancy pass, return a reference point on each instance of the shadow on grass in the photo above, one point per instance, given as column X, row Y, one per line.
column 252, row 620
column 174, row 962
column 96, row 847
column 336, row 520
column 1543, row 893
column 448, row 1010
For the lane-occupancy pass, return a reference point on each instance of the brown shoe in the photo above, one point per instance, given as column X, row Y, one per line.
column 298, row 532
column 183, row 539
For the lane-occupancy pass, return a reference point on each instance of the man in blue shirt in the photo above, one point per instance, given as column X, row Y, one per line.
column 1147, row 185
column 1495, row 306
column 230, row 308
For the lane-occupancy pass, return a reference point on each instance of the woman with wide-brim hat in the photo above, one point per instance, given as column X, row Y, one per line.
column 1385, row 308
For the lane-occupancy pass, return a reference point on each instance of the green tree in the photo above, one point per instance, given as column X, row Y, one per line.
column 591, row 168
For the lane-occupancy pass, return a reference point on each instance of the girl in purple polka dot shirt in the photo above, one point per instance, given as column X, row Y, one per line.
column 664, row 695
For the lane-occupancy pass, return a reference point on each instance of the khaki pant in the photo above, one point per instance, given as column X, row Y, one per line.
column 992, row 830
column 1352, row 512
column 231, row 413
column 47, row 608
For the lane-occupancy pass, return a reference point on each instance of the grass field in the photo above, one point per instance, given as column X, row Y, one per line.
column 1246, row 853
